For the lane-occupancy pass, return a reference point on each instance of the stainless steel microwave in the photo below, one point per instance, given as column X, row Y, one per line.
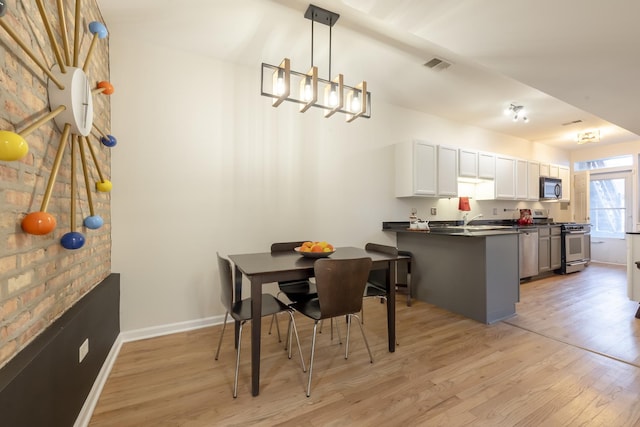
column 550, row 188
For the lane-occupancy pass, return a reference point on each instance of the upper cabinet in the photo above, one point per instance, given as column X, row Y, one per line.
column 533, row 185
column 505, row 182
column 447, row 171
column 467, row 163
column 416, row 172
column 425, row 169
column 565, row 175
column 486, row 165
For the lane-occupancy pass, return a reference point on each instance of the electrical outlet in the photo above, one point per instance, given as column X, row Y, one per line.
column 434, row 211
column 83, row 350
column 495, row 211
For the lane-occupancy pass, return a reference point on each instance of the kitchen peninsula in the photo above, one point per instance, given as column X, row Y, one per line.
column 471, row 270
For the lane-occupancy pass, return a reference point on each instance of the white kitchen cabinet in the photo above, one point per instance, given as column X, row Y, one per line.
column 533, row 185
column 544, row 250
column 553, row 171
column 565, row 175
column 544, row 169
column 486, row 165
column 505, row 181
column 416, row 169
column 522, row 180
column 447, row 171
column 467, row 163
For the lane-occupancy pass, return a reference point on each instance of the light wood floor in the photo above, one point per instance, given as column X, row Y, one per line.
column 547, row 366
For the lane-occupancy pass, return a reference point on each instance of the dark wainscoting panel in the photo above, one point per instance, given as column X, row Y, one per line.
column 45, row 384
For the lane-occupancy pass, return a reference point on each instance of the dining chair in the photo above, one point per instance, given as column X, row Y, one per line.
column 294, row 290
column 241, row 311
column 377, row 281
column 340, row 284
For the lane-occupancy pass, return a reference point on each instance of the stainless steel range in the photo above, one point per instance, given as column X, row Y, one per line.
column 576, row 247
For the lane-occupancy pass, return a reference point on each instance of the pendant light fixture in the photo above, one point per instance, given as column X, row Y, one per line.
column 277, row 81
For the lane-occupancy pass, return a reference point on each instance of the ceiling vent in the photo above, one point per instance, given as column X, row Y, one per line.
column 437, row 64
column 575, row 122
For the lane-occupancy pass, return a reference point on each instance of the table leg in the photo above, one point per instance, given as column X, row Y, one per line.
column 391, row 305
column 237, row 292
column 256, row 320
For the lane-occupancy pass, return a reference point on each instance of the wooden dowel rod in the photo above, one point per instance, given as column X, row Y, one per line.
column 74, row 140
column 63, row 29
column 99, row 131
column 83, row 157
column 52, row 38
column 93, row 43
column 33, row 126
column 31, row 55
column 76, row 36
column 98, row 90
column 95, row 161
column 56, row 166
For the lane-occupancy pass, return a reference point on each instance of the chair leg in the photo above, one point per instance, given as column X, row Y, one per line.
column 235, row 380
column 295, row 330
column 364, row 337
column 337, row 331
column 346, row 347
column 277, row 327
column 313, row 348
column 224, row 325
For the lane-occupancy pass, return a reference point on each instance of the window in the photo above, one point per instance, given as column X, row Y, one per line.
column 611, row 162
column 610, row 196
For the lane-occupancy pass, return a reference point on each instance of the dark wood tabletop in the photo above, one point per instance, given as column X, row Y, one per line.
column 267, row 267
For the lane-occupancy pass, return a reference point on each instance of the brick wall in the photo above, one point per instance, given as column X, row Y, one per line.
column 39, row 279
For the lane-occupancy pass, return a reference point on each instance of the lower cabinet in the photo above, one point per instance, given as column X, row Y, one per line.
column 549, row 249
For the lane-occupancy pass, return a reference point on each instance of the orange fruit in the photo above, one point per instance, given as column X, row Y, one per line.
column 316, row 248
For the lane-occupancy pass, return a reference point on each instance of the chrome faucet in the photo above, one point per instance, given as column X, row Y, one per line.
column 467, row 221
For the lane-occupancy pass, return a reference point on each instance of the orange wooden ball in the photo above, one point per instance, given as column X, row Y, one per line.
column 108, row 87
column 39, row 223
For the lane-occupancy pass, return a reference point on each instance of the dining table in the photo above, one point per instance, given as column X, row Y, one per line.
column 267, row 267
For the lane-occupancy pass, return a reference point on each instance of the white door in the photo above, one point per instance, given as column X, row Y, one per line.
column 610, row 215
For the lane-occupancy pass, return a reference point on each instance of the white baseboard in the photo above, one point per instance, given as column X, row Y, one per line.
column 128, row 336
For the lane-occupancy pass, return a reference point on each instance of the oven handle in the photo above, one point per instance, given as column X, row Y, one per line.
column 572, row 263
column 575, row 232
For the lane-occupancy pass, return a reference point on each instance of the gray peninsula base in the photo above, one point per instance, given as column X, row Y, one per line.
column 473, row 275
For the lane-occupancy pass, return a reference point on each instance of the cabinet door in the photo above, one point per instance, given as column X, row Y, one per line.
column 486, row 165
column 424, row 169
column 533, row 192
column 553, row 171
column 556, row 243
column 544, row 254
column 544, row 169
column 505, row 178
column 447, row 171
column 522, row 180
column 563, row 173
column 467, row 163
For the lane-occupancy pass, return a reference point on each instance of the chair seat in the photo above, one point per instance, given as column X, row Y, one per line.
column 241, row 310
column 302, row 290
column 310, row 308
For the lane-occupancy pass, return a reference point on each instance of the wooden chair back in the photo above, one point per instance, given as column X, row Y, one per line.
column 226, row 282
column 340, row 284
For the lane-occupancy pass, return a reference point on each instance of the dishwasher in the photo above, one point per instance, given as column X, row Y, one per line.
column 528, row 254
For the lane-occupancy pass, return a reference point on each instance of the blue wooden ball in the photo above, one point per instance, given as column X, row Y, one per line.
column 72, row 240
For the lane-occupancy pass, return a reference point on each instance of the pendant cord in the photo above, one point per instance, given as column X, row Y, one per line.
column 330, row 30
column 311, row 43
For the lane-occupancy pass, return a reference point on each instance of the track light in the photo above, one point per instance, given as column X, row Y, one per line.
column 518, row 112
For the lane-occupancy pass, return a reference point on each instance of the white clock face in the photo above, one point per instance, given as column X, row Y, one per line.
column 76, row 98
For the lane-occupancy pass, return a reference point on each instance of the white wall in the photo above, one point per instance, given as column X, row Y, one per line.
column 205, row 164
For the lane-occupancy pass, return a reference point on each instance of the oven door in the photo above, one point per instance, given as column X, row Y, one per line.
column 574, row 246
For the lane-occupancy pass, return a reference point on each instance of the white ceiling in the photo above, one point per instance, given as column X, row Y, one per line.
column 564, row 60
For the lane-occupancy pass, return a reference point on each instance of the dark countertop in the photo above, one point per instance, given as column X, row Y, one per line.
column 451, row 228
column 632, row 232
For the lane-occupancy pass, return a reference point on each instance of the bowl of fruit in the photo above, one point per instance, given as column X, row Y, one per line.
column 315, row 249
